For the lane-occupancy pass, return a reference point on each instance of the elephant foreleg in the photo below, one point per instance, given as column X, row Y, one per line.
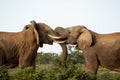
column 28, row 60
column 91, row 65
column 33, row 64
column 1, row 60
column 11, row 65
column 90, row 73
column 11, row 62
column 27, row 64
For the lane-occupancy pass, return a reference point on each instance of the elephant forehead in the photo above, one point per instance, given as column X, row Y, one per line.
column 59, row 29
column 76, row 28
column 43, row 26
column 74, row 34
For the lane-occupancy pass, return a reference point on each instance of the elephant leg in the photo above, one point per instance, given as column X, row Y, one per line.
column 90, row 73
column 24, row 63
column 33, row 64
column 28, row 60
column 11, row 63
column 1, row 60
column 91, row 65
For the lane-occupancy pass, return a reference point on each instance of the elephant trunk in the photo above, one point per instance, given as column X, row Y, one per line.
column 62, row 43
column 64, row 49
column 62, row 32
column 62, row 35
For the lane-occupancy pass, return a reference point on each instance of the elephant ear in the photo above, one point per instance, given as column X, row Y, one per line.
column 32, row 31
column 85, row 39
column 34, row 26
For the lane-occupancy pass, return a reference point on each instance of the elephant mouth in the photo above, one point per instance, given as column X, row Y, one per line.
column 57, row 39
column 51, row 42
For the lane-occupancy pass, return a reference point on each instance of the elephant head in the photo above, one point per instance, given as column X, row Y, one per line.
column 79, row 35
column 43, row 32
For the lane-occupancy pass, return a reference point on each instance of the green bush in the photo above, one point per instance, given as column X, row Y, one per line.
column 55, row 72
column 50, row 66
column 4, row 74
column 75, row 55
column 63, row 73
column 108, row 75
column 26, row 74
column 46, row 58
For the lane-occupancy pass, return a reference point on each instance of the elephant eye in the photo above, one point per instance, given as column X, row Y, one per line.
column 26, row 27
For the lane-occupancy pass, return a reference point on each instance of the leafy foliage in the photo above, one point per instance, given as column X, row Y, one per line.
column 4, row 74
column 49, row 66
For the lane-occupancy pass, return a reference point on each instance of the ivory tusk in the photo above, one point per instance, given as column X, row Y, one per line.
column 54, row 37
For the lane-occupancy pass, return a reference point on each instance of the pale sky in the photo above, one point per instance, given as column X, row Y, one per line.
column 102, row 16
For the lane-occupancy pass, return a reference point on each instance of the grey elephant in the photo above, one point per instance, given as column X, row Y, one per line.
column 20, row 48
column 98, row 49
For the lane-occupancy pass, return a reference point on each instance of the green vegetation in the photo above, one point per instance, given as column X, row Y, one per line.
column 4, row 74
column 49, row 66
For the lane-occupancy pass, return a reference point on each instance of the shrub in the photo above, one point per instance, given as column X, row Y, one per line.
column 76, row 56
column 26, row 74
column 108, row 75
column 4, row 74
column 46, row 58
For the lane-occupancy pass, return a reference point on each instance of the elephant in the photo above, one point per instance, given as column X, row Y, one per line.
column 20, row 48
column 98, row 49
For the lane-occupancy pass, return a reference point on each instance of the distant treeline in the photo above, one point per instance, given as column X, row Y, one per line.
column 74, row 56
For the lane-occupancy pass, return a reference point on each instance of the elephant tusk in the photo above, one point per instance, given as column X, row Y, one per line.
column 54, row 37
column 59, row 41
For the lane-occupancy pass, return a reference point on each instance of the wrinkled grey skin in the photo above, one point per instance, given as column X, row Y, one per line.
column 98, row 49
